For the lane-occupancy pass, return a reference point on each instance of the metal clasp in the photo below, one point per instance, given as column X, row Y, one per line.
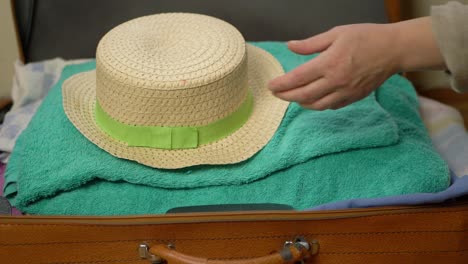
column 312, row 247
column 143, row 251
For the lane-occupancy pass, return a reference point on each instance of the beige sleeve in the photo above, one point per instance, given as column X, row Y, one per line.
column 450, row 26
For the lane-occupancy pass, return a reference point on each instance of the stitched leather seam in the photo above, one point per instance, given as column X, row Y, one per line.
column 321, row 253
column 97, row 261
column 362, row 253
column 230, row 220
column 314, row 235
column 394, row 253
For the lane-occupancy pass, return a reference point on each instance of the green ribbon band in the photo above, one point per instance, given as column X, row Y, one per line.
column 174, row 137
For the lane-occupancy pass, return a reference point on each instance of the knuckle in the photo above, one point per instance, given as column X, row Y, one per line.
column 293, row 75
column 302, row 95
column 343, row 80
column 341, row 28
column 340, row 80
column 299, row 77
column 331, row 64
column 336, row 29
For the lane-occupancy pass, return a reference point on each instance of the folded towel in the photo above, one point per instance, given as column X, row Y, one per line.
column 372, row 148
column 450, row 138
column 31, row 84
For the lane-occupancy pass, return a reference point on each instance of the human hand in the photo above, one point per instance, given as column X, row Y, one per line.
column 355, row 60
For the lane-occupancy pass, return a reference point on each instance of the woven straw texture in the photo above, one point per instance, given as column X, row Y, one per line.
column 177, row 69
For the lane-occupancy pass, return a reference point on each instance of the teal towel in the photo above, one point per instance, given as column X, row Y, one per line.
column 376, row 147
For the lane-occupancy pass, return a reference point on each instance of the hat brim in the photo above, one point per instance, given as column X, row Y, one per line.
column 79, row 98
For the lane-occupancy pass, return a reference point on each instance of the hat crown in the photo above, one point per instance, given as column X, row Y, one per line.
column 171, row 70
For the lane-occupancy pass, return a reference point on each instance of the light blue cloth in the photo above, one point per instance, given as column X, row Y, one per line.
column 458, row 188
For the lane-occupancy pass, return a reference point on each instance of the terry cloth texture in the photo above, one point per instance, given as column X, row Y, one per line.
column 373, row 148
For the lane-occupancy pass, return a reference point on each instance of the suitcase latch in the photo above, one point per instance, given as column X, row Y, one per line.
column 143, row 251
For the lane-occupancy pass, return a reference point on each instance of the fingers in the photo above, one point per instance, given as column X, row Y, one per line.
column 344, row 102
column 313, row 44
column 300, row 76
column 309, row 71
column 307, row 93
column 332, row 101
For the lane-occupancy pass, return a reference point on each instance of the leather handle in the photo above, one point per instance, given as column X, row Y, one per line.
column 291, row 253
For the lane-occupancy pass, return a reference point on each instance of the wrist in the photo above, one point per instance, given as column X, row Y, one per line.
column 396, row 52
column 415, row 46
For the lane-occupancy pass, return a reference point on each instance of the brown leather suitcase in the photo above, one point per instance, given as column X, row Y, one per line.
column 419, row 234
column 423, row 234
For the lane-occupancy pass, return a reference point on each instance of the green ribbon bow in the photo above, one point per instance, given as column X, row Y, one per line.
column 174, row 137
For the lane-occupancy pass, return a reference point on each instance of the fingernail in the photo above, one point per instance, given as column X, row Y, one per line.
column 293, row 42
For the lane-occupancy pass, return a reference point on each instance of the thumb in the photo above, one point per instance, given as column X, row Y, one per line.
column 313, row 44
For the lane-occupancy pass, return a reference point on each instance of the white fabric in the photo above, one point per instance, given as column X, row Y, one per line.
column 31, row 84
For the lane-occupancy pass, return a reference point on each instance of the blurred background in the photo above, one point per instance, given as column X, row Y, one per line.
column 9, row 48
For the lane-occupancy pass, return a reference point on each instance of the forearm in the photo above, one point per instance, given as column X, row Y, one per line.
column 415, row 46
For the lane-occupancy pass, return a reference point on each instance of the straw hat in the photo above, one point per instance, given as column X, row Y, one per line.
column 176, row 90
